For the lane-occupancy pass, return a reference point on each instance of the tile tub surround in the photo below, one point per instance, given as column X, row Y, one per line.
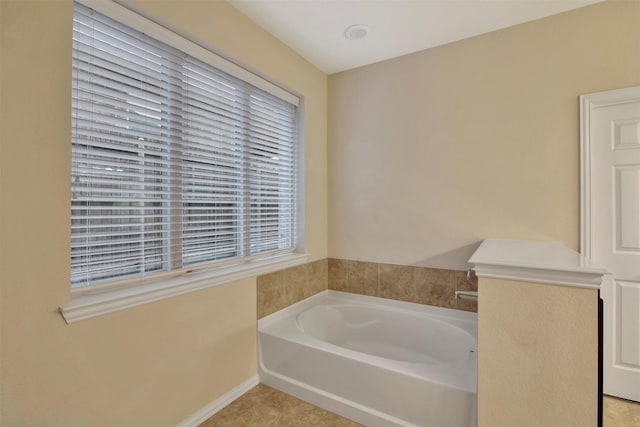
column 431, row 286
column 280, row 289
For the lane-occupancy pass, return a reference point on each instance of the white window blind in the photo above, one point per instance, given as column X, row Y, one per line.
column 175, row 163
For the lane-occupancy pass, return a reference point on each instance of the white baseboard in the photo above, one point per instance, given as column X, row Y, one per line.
column 205, row 413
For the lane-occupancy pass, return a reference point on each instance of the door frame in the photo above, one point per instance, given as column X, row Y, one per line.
column 587, row 103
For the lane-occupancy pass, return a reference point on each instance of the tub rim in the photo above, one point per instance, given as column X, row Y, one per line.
column 331, row 296
column 460, row 326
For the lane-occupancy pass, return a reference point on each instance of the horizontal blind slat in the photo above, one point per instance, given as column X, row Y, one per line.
column 174, row 162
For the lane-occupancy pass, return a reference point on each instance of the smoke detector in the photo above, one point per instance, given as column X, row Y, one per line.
column 356, row 32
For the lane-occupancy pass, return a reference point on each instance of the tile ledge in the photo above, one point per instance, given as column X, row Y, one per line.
column 535, row 261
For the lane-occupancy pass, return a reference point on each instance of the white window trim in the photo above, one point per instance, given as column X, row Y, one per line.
column 88, row 303
column 96, row 303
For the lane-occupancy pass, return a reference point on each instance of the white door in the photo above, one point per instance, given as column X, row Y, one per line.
column 611, row 227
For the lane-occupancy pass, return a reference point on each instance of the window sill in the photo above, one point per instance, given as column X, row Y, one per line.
column 92, row 304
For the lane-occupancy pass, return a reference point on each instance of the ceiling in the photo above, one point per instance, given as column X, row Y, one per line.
column 315, row 28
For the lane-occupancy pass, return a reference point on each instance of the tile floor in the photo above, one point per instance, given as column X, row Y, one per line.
column 263, row 406
column 620, row 413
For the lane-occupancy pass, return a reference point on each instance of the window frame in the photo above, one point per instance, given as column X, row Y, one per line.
column 98, row 299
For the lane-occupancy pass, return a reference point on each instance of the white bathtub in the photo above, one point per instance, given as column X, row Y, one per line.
column 379, row 362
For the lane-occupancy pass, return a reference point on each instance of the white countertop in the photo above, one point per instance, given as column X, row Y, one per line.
column 535, row 261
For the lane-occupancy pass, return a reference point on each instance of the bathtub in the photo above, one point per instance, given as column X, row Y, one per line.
column 376, row 361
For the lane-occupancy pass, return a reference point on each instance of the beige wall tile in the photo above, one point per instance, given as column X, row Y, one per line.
column 286, row 287
column 318, row 278
column 362, row 278
column 462, row 284
column 270, row 293
column 435, row 287
column 429, row 286
column 338, row 274
column 466, row 305
column 397, row 282
column 296, row 279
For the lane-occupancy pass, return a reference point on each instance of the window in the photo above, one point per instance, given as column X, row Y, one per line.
column 176, row 164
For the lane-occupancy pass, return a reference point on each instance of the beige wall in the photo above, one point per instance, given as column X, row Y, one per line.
column 432, row 152
column 226, row 30
column 537, row 355
column 158, row 363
